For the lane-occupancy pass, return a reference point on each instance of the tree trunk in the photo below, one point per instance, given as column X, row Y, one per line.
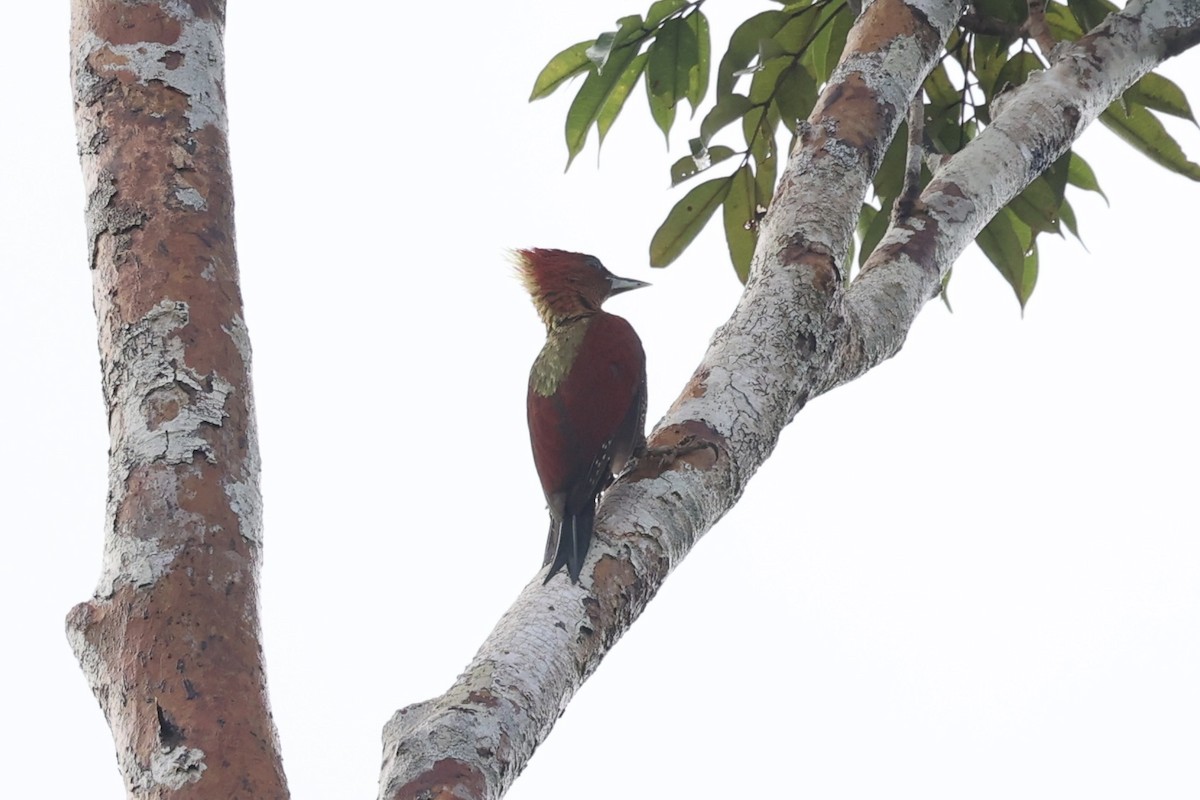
column 170, row 640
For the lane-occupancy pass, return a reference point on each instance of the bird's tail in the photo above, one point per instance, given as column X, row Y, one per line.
column 574, row 536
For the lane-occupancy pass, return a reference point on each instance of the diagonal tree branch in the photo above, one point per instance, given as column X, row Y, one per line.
column 781, row 346
column 795, row 334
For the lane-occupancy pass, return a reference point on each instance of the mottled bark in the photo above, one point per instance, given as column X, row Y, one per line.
column 797, row 332
column 170, row 640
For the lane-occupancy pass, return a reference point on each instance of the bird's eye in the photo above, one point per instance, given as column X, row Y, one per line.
column 594, row 263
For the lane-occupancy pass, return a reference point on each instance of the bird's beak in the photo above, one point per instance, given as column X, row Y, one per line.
column 623, row 285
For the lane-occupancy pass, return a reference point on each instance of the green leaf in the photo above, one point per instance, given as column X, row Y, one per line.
column 1057, row 175
column 662, row 112
column 744, row 46
column 697, row 85
column 1090, row 13
column 794, row 36
column 762, row 86
column 1062, row 23
column 827, row 40
column 768, row 49
column 1015, row 72
column 766, row 161
column 562, row 67
column 599, row 50
column 673, row 54
column 943, row 95
column 611, row 41
column 836, row 41
column 1001, row 243
column 758, row 125
column 874, row 231
column 1067, row 215
column 595, row 91
column 741, row 230
column 661, row 9
column 729, row 108
column 1079, row 173
column 702, row 158
column 1029, row 276
column 1154, row 91
column 1037, row 205
column 686, row 220
column 889, row 178
column 1146, row 133
column 989, row 54
column 866, row 214
column 1013, row 13
column 617, row 96
column 795, row 95
column 944, row 292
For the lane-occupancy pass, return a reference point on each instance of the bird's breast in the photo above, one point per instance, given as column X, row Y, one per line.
column 553, row 364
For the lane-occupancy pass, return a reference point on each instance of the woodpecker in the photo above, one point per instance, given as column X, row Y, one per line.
column 586, row 403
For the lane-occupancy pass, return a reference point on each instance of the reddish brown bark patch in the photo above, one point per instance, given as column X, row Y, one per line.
column 617, row 591
column 818, row 263
column 483, row 697
column 164, row 405
column 183, row 677
column 131, row 24
column 612, row 577
column 448, row 779
column 881, row 24
column 857, row 110
column 697, row 387
column 692, row 442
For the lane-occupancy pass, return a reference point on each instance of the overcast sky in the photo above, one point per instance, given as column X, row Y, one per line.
column 973, row 573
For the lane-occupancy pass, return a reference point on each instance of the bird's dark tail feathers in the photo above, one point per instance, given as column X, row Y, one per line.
column 574, row 536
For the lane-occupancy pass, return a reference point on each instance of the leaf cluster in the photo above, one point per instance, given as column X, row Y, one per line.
column 767, row 82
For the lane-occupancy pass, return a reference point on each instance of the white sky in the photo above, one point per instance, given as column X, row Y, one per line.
column 974, row 572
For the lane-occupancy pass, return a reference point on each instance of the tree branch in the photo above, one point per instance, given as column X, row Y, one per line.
column 793, row 336
column 984, row 25
column 782, row 346
column 1036, row 124
column 913, row 159
column 1036, row 27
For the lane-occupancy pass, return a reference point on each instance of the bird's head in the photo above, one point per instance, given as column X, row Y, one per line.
column 565, row 285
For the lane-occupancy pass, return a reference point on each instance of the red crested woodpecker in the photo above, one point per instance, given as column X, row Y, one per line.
column 586, row 402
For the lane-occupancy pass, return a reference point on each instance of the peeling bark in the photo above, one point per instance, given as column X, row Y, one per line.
column 796, row 333
column 170, row 640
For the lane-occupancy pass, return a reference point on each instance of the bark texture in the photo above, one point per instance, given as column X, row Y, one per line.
column 170, row 640
column 797, row 332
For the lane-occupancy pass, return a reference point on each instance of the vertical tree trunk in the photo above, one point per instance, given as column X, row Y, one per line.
column 170, row 641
